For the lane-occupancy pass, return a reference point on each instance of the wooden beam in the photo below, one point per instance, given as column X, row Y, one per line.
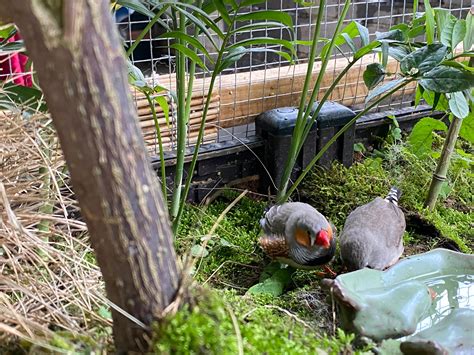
column 243, row 96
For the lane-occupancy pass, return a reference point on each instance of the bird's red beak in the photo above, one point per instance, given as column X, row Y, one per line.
column 324, row 238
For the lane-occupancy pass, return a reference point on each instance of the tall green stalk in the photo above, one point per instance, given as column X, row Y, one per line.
column 160, row 145
column 338, row 134
column 181, row 121
column 192, row 166
column 440, row 175
column 302, row 126
column 292, row 154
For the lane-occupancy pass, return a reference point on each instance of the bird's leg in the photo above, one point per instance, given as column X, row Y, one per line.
column 327, row 271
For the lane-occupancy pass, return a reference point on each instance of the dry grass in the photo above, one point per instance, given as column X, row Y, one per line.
column 49, row 284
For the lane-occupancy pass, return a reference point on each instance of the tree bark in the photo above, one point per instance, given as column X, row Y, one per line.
column 81, row 67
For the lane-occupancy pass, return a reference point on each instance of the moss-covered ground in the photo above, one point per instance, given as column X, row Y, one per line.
column 301, row 321
column 228, row 320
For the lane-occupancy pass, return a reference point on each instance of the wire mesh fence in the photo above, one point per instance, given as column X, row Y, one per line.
column 260, row 80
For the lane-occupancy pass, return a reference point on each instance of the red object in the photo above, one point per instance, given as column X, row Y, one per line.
column 14, row 66
column 323, row 239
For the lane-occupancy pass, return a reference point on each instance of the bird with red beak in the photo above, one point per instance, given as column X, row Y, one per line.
column 296, row 234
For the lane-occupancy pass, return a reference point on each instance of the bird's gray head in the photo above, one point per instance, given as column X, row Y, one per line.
column 308, row 230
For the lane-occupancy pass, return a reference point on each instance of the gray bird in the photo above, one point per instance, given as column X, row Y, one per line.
column 373, row 234
column 297, row 234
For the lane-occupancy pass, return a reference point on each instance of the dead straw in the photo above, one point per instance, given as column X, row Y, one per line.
column 50, row 286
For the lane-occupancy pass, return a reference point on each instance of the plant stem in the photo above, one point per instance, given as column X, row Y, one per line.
column 439, row 176
column 192, row 70
column 181, row 124
column 160, row 145
column 290, row 161
column 192, row 166
column 338, row 134
column 302, row 126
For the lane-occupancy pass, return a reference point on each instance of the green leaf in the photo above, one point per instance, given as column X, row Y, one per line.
column 12, row 47
column 398, row 52
column 423, row 59
column 443, row 16
column 385, row 48
column 135, row 75
column 137, row 6
column 401, row 26
column 366, row 49
column 264, row 15
column 163, row 103
column 223, row 11
column 430, row 22
column 264, row 41
column 7, row 32
column 198, row 251
column 382, row 89
column 458, row 104
column 418, row 94
column 416, row 31
column 437, row 103
column 393, row 34
column 274, row 285
column 453, row 32
column 259, row 25
column 203, row 26
column 352, row 30
column 469, row 38
column 349, row 42
column 189, row 39
column 447, row 79
column 460, row 65
column 226, row 243
column 364, row 34
column 14, row 96
column 436, row 99
column 190, row 54
column 359, row 147
column 420, row 139
column 445, row 190
column 104, row 312
column 467, row 128
column 231, row 57
column 419, row 19
column 373, row 75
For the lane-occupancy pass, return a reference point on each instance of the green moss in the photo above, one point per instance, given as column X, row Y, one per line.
column 233, row 249
column 259, row 327
column 339, row 190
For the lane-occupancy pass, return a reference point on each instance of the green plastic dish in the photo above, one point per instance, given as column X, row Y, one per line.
column 413, row 295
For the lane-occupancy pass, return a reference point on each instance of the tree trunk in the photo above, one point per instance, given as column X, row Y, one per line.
column 80, row 63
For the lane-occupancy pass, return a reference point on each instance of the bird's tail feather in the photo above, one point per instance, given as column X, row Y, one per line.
column 393, row 195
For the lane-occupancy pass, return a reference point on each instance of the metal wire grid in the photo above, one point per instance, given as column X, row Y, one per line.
column 376, row 15
column 154, row 56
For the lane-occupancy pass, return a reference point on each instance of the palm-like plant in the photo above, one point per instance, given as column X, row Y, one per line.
column 186, row 22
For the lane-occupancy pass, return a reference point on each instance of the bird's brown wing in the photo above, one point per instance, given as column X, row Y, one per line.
column 274, row 246
column 389, row 212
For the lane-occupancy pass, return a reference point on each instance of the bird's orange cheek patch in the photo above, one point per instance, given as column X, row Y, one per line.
column 302, row 237
column 330, row 233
